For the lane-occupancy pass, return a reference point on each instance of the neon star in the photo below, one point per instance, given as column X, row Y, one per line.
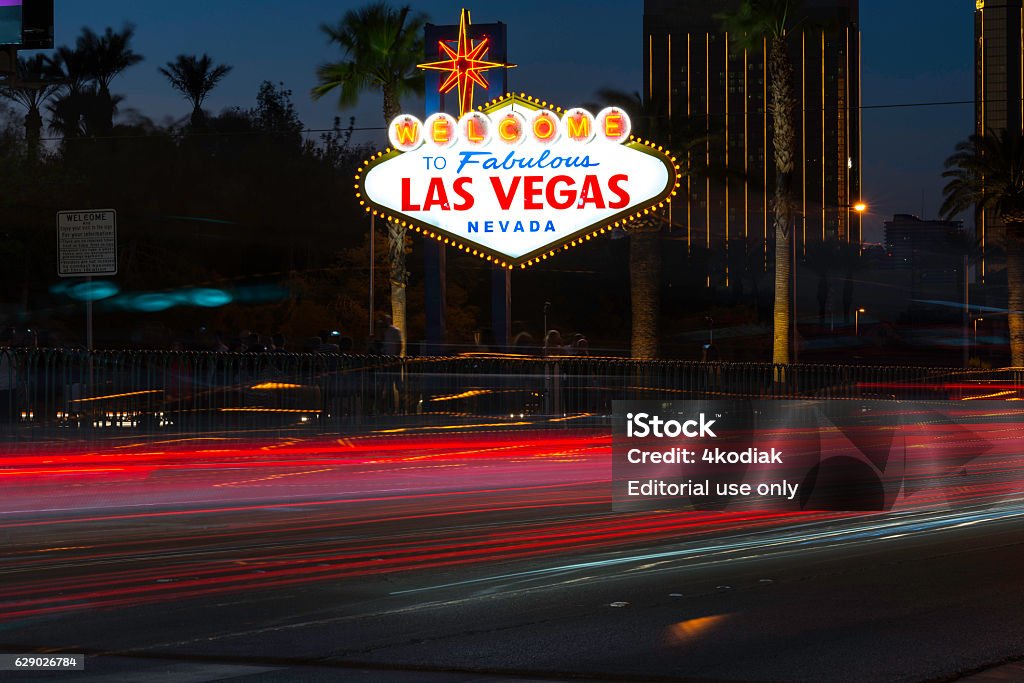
column 464, row 65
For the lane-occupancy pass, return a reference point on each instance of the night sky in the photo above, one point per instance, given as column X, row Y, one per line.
column 913, row 51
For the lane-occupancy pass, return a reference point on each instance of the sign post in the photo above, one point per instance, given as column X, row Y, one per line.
column 87, row 247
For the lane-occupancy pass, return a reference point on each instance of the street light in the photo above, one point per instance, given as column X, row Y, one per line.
column 856, row 322
column 859, row 208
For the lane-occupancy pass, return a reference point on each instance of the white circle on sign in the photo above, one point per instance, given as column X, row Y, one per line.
column 510, row 128
column 405, row 132
column 441, row 130
column 544, row 127
column 475, row 128
column 579, row 125
column 613, row 125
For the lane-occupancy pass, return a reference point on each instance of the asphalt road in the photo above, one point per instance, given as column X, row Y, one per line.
column 417, row 558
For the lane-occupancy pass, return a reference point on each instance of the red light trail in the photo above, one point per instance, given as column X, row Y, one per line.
column 145, row 523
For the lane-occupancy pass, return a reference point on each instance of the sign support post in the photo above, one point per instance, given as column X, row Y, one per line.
column 87, row 247
column 435, row 288
column 501, row 306
column 88, row 316
column 373, row 258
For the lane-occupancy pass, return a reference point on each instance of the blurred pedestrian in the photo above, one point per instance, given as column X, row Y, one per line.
column 553, row 344
column 580, row 345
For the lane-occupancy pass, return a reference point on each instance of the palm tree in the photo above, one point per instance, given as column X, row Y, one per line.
column 85, row 112
column 644, row 234
column 68, row 67
column 680, row 135
column 766, row 23
column 194, row 78
column 86, row 106
column 383, row 45
column 986, row 172
column 105, row 57
column 33, row 87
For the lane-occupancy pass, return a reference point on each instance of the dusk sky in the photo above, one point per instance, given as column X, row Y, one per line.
column 913, row 51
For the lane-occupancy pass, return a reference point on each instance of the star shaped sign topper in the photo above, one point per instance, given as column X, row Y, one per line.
column 465, row 65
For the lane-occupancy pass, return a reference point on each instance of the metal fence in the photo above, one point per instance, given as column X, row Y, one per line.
column 47, row 391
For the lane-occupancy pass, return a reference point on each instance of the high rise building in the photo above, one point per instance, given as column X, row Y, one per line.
column 999, row 64
column 692, row 70
column 998, row 90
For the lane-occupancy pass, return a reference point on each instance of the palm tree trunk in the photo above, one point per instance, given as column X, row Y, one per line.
column 644, row 283
column 396, row 259
column 391, row 105
column 396, row 244
column 1015, row 287
column 33, row 132
column 782, row 107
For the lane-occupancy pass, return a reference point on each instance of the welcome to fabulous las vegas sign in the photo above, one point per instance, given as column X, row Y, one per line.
column 516, row 180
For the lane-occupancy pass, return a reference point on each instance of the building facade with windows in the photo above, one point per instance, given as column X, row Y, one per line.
column 998, row 95
column 697, row 81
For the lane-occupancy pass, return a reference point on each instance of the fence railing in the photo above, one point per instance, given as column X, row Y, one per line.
column 148, row 391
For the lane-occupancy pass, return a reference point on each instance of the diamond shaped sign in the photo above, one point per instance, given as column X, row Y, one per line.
column 515, row 181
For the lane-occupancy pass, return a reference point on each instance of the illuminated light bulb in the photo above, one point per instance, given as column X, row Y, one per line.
column 361, row 203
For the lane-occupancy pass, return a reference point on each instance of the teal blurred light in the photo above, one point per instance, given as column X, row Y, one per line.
column 207, row 298
column 151, row 303
column 88, row 291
